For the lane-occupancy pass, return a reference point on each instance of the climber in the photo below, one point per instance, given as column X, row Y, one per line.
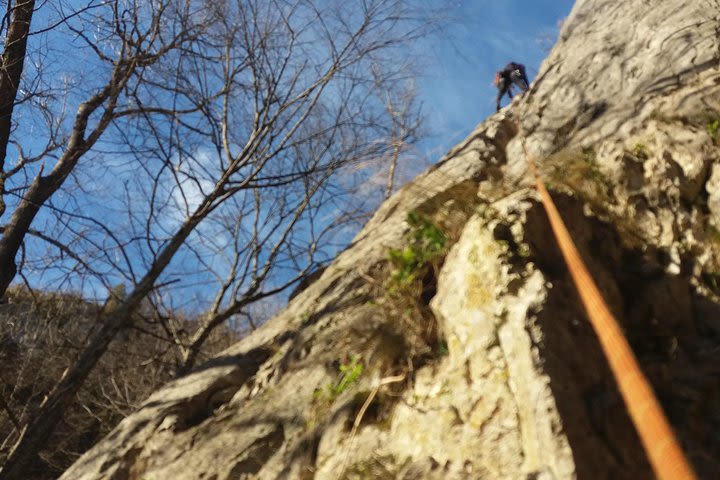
column 512, row 73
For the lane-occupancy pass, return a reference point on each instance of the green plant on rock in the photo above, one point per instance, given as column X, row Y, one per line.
column 442, row 350
column 713, row 233
column 712, row 128
column 579, row 172
column 640, row 151
column 349, row 373
column 385, row 466
column 407, row 283
column 589, row 155
column 426, row 242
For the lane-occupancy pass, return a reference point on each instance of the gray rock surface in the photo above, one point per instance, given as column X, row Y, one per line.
column 502, row 377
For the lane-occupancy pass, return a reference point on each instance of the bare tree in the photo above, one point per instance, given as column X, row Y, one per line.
column 11, row 67
column 41, row 334
column 227, row 134
column 406, row 127
column 141, row 35
column 138, row 48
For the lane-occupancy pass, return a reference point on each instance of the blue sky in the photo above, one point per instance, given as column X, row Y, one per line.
column 455, row 86
column 457, row 90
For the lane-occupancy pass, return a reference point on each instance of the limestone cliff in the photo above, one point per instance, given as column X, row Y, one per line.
column 453, row 312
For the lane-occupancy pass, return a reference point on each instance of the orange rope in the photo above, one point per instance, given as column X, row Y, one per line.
column 665, row 455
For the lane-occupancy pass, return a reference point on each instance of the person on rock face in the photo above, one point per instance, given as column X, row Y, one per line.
column 513, row 73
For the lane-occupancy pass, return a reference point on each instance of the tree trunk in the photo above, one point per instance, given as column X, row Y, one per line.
column 11, row 68
column 36, row 434
column 391, row 173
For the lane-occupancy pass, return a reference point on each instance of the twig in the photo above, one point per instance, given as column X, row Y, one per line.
column 10, row 413
column 361, row 414
column 367, row 277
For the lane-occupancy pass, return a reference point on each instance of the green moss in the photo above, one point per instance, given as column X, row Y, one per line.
column 640, row 151
column 570, row 167
column 441, row 350
column 578, row 172
column 658, row 116
column 386, row 466
column 712, row 128
column 713, row 233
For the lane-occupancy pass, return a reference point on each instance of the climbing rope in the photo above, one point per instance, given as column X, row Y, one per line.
column 660, row 443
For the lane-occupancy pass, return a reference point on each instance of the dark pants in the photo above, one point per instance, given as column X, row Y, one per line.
column 516, row 77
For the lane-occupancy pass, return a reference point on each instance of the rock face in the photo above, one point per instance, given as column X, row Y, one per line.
column 473, row 359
